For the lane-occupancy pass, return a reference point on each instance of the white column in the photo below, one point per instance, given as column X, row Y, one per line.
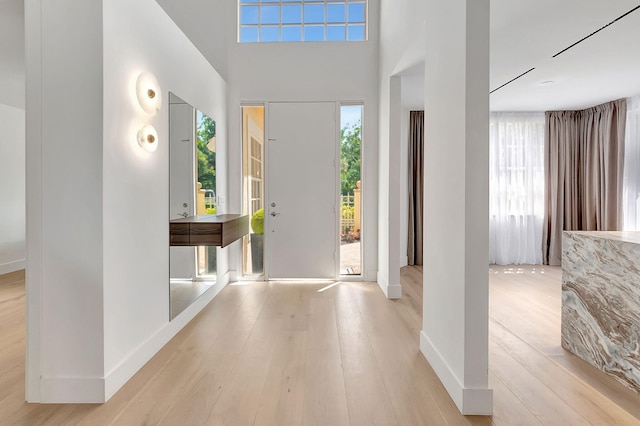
column 65, row 357
column 394, row 290
column 454, row 337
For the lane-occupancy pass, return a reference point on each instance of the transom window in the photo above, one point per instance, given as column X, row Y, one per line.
column 302, row 20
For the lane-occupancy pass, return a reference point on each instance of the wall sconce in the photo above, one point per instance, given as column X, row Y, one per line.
column 148, row 93
column 148, row 138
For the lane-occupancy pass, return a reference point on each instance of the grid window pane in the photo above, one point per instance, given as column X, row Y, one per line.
column 314, row 33
column 269, row 33
column 355, row 33
column 313, row 13
column 356, row 13
column 336, row 33
column 270, row 14
column 302, row 20
column 292, row 14
column 249, row 15
column 335, row 13
column 293, row 33
column 248, row 34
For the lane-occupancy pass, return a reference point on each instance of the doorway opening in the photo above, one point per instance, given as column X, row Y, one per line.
column 253, row 156
column 351, row 190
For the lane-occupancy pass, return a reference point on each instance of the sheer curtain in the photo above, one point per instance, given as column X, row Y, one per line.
column 631, row 184
column 516, row 182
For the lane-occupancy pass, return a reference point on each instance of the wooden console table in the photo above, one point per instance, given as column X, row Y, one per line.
column 208, row 230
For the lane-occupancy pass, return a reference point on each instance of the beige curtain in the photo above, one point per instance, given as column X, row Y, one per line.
column 584, row 157
column 416, row 186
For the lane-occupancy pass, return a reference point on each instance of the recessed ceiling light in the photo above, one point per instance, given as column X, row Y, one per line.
column 546, row 83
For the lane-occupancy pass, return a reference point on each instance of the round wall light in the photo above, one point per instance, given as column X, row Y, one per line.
column 148, row 93
column 148, row 138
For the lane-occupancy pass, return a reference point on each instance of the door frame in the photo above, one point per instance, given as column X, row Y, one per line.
column 363, row 178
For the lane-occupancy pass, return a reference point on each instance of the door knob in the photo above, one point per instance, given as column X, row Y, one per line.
column 274, row 214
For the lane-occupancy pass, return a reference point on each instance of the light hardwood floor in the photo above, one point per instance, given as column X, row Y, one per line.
column 293, row 353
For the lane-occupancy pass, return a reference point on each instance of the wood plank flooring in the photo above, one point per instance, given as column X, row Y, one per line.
column 286, row 353
column 524, row 349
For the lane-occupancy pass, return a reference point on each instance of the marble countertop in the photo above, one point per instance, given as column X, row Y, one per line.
column 601, row 301
column 624, row 236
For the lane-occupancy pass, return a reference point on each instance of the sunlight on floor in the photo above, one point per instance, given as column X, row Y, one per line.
column 329, row 286
column 539, row 269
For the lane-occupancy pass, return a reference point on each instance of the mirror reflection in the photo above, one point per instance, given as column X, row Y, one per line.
column 192, row 191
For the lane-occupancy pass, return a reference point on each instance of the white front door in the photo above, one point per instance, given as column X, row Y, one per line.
column 301, row 208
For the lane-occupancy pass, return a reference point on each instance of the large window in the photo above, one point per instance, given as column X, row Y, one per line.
column 302, row 20
column 516, row 188
column 631, row 184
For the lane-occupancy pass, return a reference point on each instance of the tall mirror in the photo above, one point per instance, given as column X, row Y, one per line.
column 192, row 191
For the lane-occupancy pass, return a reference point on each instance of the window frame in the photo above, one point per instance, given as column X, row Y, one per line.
column 326, row 24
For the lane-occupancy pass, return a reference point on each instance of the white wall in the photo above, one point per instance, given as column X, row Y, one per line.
column 12, row 189
column 211, row 34
column 139, row 36
column 12, row 53
column 12, row 137
column 333, row 71
column 401, row 48
column 99, row 277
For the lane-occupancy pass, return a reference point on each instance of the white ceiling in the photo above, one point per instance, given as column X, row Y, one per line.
column 525, row 34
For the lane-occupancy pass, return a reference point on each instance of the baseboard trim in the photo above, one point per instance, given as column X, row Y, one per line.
column 115, row 379
column 394, row 291
column 404, row 261
column 370, row 276
column 72, row 390
column 469, row 401
column 13, row 266
column 390, row 291
column 382, row 283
